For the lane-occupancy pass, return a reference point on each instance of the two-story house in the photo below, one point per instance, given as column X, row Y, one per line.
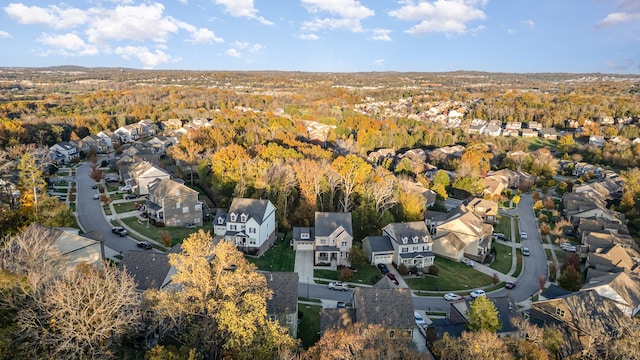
column 63, row 152
column 333, row 239
column 283, row 304
column 412, row 244
column 459, row 234
column 141, row 175
column 173, row 204
column 249, row 223
column 107, row 137
column 146, row 128
column 485, row 209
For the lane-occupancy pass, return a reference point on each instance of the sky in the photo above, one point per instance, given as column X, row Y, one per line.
column 515, row 36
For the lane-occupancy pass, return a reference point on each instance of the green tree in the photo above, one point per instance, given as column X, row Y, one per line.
column 570, row 279
column 483, row 315
column 357, row 257
column 442, row 177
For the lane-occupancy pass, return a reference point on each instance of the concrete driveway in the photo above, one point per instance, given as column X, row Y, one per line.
column 304, row 266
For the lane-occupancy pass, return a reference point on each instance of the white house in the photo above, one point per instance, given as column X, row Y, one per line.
column 412, row 244
column 107, row 137
column 250, row 224
column 63, row 152
column 143, row 174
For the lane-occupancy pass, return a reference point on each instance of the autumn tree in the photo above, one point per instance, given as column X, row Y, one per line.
column 188, row 151
column 353, row 171
column 31, row 184
column 570, row 279
column 482, row 344
column 483, row 315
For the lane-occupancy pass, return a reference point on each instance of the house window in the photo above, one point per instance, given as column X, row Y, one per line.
column 233, row 217
column 405, row 250
column 304, row 235
column 289, row 319
column 251, row 230
column 415, row 239
column 242, row 227
column 323, row 242
column 196, row 220
column 415, row 248
column 559, row 312
column 344, row 244
column 243, row 218
column 405, row 240
column 198, row 207
column 220, row 221
column 185, row 210
column 252, row 241
column 177, row 205
column 233, row 227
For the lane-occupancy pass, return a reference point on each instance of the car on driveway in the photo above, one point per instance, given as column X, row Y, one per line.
column 338, row 285
column 452, row 297
column 500, row 236
column 383, row 268
column 568, row 247
column 145, row 245
column 111, row 179
column 525, row 252
column 95, row 186
column 477, row 293
column 125, row 188
column 509, row 285
column 130, row 196
column 120, row 231
column 419, row 319
column 468, row 262
column 393, row 278
column 523, row 236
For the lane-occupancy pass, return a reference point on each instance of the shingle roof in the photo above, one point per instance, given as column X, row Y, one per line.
column 379, row 243
column 285, row 292
column 254, row 208
column 409, row 230
column 148, row 268
column 327, row 222
column 392, row 308
column 170, row 188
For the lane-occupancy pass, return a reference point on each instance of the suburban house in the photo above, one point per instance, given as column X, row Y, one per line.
column 379, row 250
column 459, row 234
column 138, row 152
column 493, row 187
column 171, row 124
column 549, row 133
column 585, row 319
column 95, row 143
column 141, row 175
column 126, row 134
column 416, row 188
column 173, row 204
column 303, row 238
column 283, row 304
column 249, row 223
column 596, row 140
column 146, row 128
column 485, row 209
column 107, row 136
column 529, row 133
column 493, row 130
column 613, row 258
column 149, row 269
column 161, row 144
column 63, row 152
column 380, row 155
column 621, row 288
column 389, row 308
column 412, row 244
column 333, row 239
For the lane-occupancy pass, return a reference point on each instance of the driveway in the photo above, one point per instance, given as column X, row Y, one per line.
column 304, row 266
column 91, row 216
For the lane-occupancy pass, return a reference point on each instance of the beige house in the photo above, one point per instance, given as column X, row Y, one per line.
column 621, row 288
column 464, row 234
column 333, row 239
column 486, row 209
column 173, row 204
column 142, row 175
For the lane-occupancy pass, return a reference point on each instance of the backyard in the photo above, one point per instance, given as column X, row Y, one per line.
column 503, row 226
column 309, row 327
column 451, row 276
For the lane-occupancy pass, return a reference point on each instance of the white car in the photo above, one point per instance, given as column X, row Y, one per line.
column 523, row 235
column 338, row 285
column 96, row 196
column 125, row 188
column 525, row 252
column 477, row 293
column 468, row 262
column 419, row 319
column 452, row 297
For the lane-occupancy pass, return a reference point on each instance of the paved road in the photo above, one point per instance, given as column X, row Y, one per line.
column 90, row 215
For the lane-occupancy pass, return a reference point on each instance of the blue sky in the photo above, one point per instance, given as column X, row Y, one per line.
column 519, row 36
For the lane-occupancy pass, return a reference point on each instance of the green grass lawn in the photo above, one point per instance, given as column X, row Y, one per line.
column 503, row 260
column 549, row 255
column 279, row 258
column 124, row 207
column 562, row 256
column 518, row 265
column 452, row 276
column 503, row 226
column 309, row 327
column 367, row 274
column 537, row 142
column 107, row 209
column 177, row 233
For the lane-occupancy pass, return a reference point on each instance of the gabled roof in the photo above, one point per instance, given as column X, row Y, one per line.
column 613, row 256
column 298, row 231
column 253, row 208
column 149, row 269
column 392, row 308
column 408, row 230
column 619, row 287
column 139, row 169
column 285, row 292
column 554, row 291
column 379, row 243
column 327, row 222
column 170, row 188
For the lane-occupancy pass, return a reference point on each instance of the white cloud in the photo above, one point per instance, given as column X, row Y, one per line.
column 242, row 8
column 68, row 44
column 346, row 14
column 511, row 31
column 380, row 35
column 378, row 62
column 618, row 18
column 204, row 36
column 312, row 37
column 256, row 48
column 530, row 24
column 53, row 16
column 233, row 53
column 144, row 55
column 444, row 16
column 4, row 35
column 240, row 45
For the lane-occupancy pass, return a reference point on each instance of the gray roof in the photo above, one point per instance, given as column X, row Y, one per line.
column 285, row 292
column 170, row 188
column 379, row 243
column 335, row 318
column 554, row 291
column 297, row 231
column 254, row 208
column 148, row 268
column 411, row 255
column 328, row 222
column 392, row 308
column 397, row 231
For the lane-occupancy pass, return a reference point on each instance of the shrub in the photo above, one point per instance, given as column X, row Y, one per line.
column 403, row 269
column 346, row 274
column 434, row 270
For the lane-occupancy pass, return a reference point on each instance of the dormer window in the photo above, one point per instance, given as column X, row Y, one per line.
column 233, row 217
column 304, row 235
column 243, row 218
column 415, row 239
column 220, row 220
column 405, row 240
column 425, row 238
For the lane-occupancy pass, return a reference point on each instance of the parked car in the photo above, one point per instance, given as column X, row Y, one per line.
column 568, row 247
column 393, row 278
column 96, row 196
column 341, row 305
column 125, row 188
column 338, row 285
column 111, row 179
column 525, row 252
column 523, row 235
column 500, row 236
column 419, row 319
column 477, row 293
column 120, row 231
column 145, row 245
column 130, row 196
column 95, row 186
column 468, row 262
column 452, row 297
column 383, row 268
column 509, row 285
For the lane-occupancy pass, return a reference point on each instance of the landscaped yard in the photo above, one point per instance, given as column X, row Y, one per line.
column 503, row 260
column 452, row 276
column 279, row 258
column 177, row 233
column 309, row 327
column 367, row 274
column 125, row 207
column 503, row 226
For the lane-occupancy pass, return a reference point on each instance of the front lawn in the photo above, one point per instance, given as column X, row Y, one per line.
column 503, row 226
column 518, row 265
column 309, row 327
column 125, row 207
column 281, row 257
column 367, row 274
column 503, row 260
column 452, row 276
column 177, row 233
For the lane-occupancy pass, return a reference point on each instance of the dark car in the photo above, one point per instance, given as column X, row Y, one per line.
column 145, row 245
column 130, row 196
column 393, row 278
column 383, row 268
column 119, row 230
column 95, row 186
column 509, row 285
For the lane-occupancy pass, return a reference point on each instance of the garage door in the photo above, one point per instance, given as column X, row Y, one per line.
column 383, row 259
column 303, row 246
